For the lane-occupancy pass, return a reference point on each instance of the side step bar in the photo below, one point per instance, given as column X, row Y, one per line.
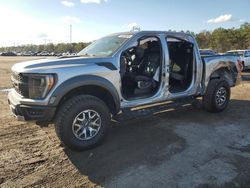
column 151, row 109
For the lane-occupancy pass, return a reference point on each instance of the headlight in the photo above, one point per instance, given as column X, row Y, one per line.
column 40, row 85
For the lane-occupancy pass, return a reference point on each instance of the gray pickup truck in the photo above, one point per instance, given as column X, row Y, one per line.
column 114, row 77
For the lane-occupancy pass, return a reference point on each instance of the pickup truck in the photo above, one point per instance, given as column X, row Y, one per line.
column 114, row 77
column 244, row 56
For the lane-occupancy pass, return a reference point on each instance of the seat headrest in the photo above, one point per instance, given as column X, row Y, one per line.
column 139, row 52
column 154, row 46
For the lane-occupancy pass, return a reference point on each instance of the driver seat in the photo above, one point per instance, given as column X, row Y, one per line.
column 149, row 68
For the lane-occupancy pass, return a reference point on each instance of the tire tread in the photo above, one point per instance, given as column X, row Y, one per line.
column 209, row 95
column 68, row 105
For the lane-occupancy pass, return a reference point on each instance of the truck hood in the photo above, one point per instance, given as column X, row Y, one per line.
column 58, row 63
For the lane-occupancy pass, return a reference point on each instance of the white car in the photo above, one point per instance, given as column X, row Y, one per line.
column 244, row 57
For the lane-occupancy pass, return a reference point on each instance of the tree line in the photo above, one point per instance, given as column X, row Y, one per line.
column 59, row 48
column 220, row 40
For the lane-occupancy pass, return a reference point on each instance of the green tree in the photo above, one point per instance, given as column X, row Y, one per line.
column 203, row 39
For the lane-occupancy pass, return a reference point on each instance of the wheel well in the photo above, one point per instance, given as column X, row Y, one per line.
column 93, row 90
column 223, row 73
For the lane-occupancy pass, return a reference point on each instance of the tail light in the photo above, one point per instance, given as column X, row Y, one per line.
column 239, row 65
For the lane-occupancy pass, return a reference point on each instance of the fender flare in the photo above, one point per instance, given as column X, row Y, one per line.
column 85, row 80
column 224, row 73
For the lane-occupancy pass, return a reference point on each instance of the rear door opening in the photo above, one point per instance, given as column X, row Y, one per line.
column 181, row 63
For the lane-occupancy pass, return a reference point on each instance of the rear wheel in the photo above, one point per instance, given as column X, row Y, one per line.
column 82, row 122
column 217, row 96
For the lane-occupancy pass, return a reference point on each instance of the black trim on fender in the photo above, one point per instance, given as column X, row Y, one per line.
column 108, row 65
column 85, row 80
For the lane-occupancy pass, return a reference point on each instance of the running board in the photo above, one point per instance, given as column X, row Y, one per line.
column 151, row 109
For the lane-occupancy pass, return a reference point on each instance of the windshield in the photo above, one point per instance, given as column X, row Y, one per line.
column 240, row 53
column 105, row 46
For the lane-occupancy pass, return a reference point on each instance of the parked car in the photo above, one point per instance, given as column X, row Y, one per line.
column 52, row 53
column 43, row 53
column 207, row 52
column 244, row 57
column 19, row 53
column 66, row 54
column 36, row 53
column 58, row 54
column 112, row 76
column 8, row 54
column 28, row 53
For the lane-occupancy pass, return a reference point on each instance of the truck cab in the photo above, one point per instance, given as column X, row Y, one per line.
column 155, row 67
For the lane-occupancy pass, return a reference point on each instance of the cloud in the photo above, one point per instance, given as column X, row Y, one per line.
column 221, row 19
column 93, row 1
column 71, row 20
column 131, row 25
column 68, row 3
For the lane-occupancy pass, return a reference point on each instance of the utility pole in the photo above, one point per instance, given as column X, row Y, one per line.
column 45, row 41
column 70, row 38
column 70, row 33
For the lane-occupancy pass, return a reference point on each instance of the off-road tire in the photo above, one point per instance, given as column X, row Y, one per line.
column 209, row 99
column 69, row 111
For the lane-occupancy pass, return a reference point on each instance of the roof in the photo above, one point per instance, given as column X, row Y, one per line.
column 151, row 32
column 181, row 35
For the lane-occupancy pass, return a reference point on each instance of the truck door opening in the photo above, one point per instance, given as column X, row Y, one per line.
column 181, row 60
column 141, row 69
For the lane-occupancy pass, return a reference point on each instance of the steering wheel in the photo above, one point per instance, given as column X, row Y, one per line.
column 128, row 61
column 127, row 56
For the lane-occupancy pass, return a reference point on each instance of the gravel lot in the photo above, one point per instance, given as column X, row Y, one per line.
column 185, row 147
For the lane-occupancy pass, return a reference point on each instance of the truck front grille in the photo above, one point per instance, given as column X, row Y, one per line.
column 20, row 83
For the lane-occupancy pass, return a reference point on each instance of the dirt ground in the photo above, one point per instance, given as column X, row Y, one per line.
column 185, row 147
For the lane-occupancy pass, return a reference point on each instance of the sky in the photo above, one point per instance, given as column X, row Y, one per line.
column 46, row 21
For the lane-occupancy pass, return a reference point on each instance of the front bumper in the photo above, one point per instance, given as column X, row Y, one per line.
column 30, row 112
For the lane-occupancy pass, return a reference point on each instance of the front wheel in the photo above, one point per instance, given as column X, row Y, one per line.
column 217, row 96
column 82, row 121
